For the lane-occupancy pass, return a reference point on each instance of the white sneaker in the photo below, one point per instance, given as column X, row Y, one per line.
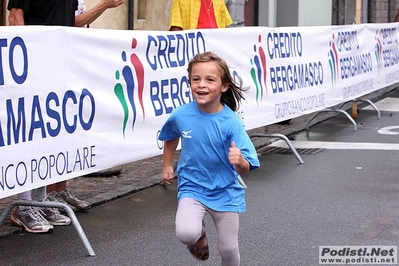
column 53, row 196
column 54, row 217
column 31, row 219
column 74, row 201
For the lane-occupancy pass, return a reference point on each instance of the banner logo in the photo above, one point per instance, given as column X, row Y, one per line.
column 128, row 79
column 378, row 51
column 333, row 61
column 258, row 70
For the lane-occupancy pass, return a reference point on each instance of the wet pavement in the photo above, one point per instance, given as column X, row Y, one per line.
column 143, row 174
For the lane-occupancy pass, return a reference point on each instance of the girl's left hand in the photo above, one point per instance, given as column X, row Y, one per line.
column 235, row 156
column 236, row 159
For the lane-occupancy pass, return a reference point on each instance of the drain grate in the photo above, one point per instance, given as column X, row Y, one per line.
column 280, row 150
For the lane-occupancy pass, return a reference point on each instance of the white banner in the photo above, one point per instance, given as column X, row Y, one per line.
column 76, row 101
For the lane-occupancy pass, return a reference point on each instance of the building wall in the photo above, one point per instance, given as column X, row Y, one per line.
column 382, row 11
column 115, row 18
column 344, row 12
column 287, row 13
column 314, row 13
column 267, row 13
column 372, row 11
column 151, row 14
column 148, row 15
column 282, row 13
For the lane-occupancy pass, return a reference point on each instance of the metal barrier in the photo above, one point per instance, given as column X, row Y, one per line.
column 332, row 110
column 51, row 204
column 338, row 110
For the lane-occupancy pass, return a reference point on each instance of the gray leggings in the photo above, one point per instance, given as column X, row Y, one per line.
column 190, row 227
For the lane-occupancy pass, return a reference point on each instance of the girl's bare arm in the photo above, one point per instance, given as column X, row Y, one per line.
column 169, row 150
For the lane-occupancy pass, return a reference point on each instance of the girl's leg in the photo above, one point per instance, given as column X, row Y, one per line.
column 227, row 224
column 189, row 221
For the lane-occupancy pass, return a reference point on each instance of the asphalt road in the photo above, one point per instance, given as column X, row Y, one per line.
column 344, row 194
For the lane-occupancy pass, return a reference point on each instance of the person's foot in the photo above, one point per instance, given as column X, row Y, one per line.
column 31, row 219
column 53, row 216
column 200, row 250
column 53, row 196
column 74, row 201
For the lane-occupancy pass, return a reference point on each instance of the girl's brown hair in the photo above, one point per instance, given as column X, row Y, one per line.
column 234, row 94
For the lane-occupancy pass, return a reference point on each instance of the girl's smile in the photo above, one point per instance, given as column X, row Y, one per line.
column 206, row 86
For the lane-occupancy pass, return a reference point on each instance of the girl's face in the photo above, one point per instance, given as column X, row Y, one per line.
column 206, row 86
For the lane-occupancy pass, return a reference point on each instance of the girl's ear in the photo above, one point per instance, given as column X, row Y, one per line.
column 225, row 88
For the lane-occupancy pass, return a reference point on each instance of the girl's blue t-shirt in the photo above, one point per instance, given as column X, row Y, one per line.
column 204, row 172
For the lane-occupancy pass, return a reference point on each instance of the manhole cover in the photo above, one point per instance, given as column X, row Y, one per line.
column 280, row 150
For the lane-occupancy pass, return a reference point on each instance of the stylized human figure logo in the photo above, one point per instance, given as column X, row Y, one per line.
column 333, row 61
column 138, row 66
column 130, row 86
column 378, row 51
column 258, row 70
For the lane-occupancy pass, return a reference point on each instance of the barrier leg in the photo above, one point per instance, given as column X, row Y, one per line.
column 6, row 212
column 281, row 136
column 372, row 105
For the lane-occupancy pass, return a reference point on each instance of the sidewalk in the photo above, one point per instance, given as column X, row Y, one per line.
column 139, row 175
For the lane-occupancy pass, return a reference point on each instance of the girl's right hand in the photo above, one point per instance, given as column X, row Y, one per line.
column 168, row 175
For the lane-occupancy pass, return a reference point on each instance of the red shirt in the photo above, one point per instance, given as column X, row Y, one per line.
column 206, row 19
